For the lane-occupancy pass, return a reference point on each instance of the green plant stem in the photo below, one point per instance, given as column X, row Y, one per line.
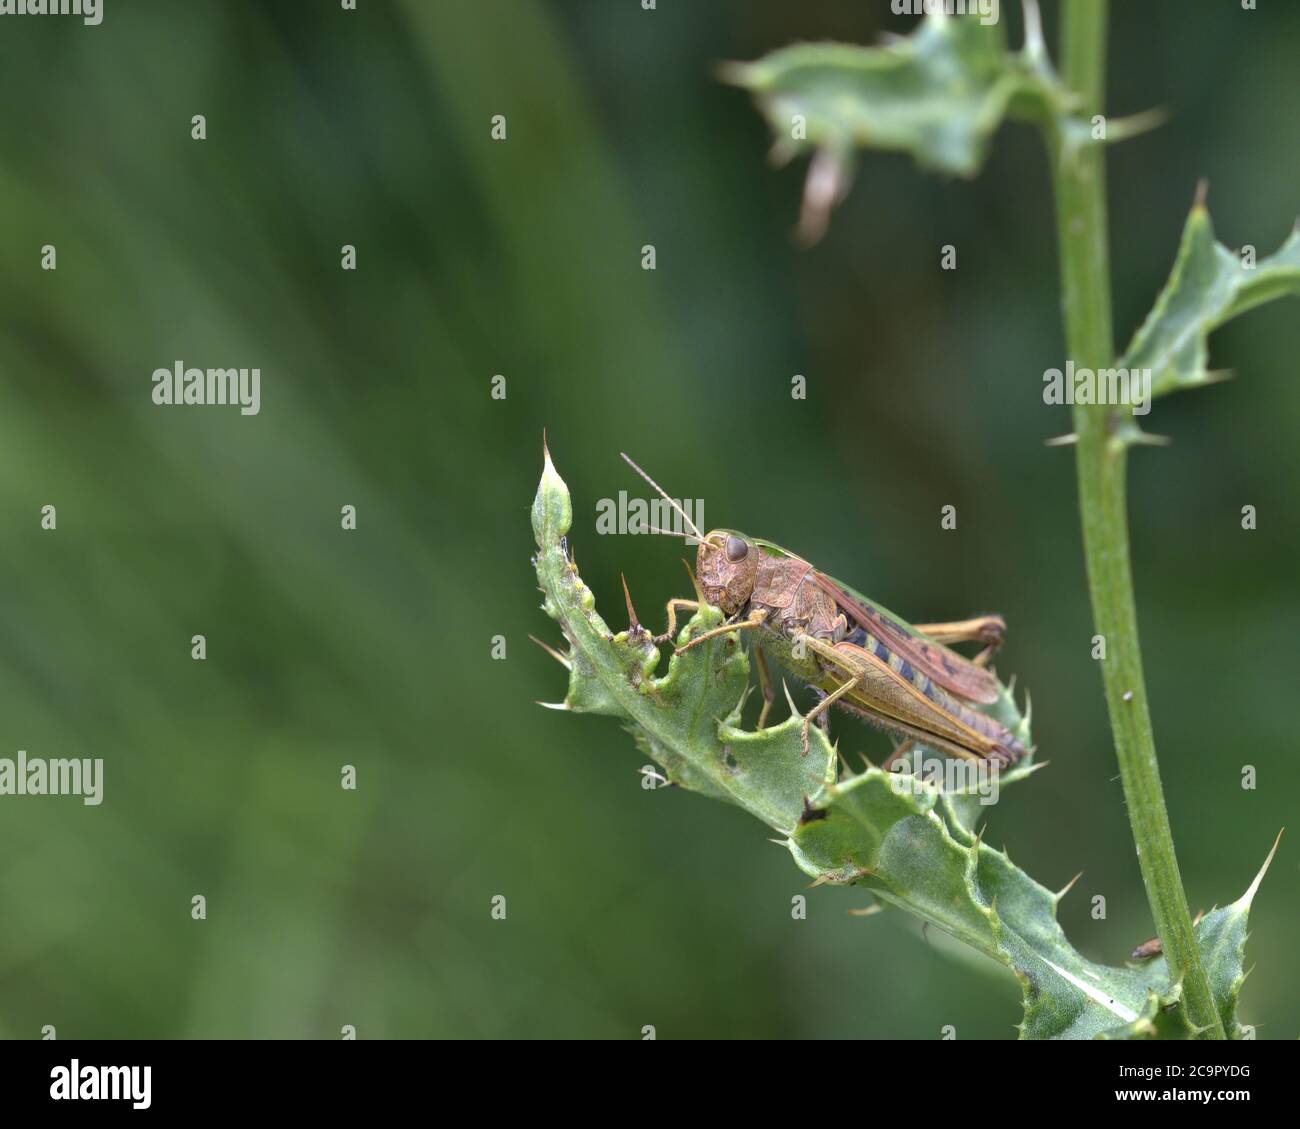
column 1103, row 438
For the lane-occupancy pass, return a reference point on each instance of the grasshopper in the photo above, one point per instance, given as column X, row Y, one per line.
column 855, row 653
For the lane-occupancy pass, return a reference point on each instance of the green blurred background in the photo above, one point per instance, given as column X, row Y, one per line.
column 373, row 648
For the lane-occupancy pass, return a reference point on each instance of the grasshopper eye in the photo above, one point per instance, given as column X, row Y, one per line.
column 737, row 549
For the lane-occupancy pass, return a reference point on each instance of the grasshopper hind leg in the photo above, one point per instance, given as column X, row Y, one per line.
column 990, row 630
column 765, row 685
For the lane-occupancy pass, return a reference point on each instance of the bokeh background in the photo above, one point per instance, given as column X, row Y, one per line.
column 373, row 648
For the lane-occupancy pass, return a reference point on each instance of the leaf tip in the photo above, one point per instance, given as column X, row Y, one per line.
column 1068, row 440
column 562, row 659
column 552, row 508
column 1035, row 44
column 1134, row 125
column 633, row 623
column 827, row 183
column 1202, row 194
column 731, row 73
column 1244, row 901
column 1067, row 887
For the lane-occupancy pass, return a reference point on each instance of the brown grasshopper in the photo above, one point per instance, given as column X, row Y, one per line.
column 860, row 656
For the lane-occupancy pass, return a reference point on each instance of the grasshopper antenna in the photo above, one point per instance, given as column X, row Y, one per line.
column 671, row 501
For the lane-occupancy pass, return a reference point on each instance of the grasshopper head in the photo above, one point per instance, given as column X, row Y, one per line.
column 726, row 565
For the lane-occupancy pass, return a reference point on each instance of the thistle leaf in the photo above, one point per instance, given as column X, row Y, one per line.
column 900, row 837
column 683, row 719
column 1221, row 937
column 1209, row 285
column 938, row 94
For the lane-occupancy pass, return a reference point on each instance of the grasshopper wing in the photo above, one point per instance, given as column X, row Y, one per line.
column 950, row 670
column 885, row 696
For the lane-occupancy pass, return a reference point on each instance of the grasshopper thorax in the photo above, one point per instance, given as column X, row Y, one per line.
column 726, row 566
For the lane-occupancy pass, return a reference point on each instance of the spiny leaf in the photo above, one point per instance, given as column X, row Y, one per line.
column 938, row 94
column 1221, row 937
column 899, row 837
column 680, row 719
column 1209, row 285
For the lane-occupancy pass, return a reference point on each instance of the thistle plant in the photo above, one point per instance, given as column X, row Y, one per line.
column 939, row 95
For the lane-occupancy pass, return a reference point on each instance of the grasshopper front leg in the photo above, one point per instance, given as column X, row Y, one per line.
column 673, row 605
column 764, row 675
column 819, row 710
column 757, row 619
